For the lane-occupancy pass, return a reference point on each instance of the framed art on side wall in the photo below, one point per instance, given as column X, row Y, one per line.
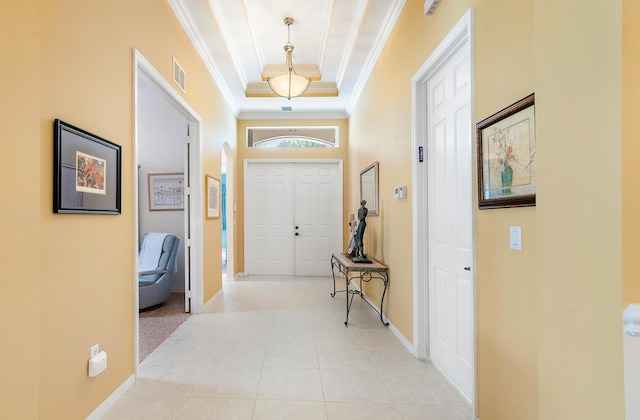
column 166, row 192
column 506, row 157
column 213, row 197
column 86, row 172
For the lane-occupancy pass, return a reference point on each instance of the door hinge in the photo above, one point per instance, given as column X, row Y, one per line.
column 187, row 293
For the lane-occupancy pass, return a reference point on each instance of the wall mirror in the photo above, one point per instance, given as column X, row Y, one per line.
column 369, row 188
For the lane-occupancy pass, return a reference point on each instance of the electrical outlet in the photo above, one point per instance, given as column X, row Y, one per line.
column 95, row 350
column 97, row 364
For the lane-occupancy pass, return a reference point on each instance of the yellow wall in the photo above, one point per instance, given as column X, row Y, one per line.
column 506, row 286
column 20, row 210
column 579, row 208
column 548, row 318
column 631, row 150
column 72, row 277
column 548, row 314
column 245, row 152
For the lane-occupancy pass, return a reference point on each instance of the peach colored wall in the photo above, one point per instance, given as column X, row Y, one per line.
column 20, row 210
column 71, row 63
column 544, row 312
column 506, row 285
column 578, row 80
column 245, row 152
column 631, row 150
column 548, row 318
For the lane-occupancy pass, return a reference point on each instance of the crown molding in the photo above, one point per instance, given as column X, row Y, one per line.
column 389, row 22
column 185, row 19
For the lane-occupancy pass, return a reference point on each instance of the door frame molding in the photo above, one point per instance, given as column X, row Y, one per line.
column 227, row 152
column 460, row 36
column 246, row 163
column 142, row 67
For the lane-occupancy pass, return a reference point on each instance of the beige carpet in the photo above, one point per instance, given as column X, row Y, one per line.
column 157, row 324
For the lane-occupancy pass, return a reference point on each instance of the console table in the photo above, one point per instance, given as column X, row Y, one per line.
column 364, row 273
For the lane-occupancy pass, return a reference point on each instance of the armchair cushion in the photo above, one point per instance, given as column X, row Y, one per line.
column 157, row 262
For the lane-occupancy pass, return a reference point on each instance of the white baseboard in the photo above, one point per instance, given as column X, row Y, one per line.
column 631, row 348
column 393, row 328
column 210, row 301
column 411, row 348
column 102, row 409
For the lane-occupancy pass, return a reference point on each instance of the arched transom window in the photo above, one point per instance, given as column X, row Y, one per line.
column 292, row 137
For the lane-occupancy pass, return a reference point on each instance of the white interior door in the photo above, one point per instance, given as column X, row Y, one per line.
column 269, row 215
column 293, row 217
column 449, row 163
column 318, row 212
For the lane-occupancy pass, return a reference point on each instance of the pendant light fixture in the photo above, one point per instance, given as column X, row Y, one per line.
column 290, row 84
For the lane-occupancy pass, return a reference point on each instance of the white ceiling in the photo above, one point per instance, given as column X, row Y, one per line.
column 237, row 38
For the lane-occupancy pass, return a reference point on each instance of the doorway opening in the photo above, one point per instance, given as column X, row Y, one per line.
column 156, row 100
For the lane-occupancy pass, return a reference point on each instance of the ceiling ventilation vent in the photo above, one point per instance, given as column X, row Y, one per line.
column 179, row 76
column 430, row 6
column 287, row 108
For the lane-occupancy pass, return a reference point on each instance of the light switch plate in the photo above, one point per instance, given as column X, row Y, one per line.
column 515, row 238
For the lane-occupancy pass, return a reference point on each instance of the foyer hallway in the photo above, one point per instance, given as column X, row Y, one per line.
column 277, row 348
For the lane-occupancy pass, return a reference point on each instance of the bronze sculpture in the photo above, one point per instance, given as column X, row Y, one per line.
column 356, row 245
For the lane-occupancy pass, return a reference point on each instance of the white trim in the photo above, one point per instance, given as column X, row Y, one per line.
column 190, row 27
column 631, row 350
column 631, row 319
column 297, row 115
column 389, row 23
column 232, row 48
column 106, row 405
column 351, row 42
column 402, row 339
column 210, row 302
column 143, row 68
column 231, row 163
column 460, row 36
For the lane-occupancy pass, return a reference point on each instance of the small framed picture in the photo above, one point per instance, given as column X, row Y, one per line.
column 166, row 192
column 507, row 157
column 213, row 197
column 86, row 172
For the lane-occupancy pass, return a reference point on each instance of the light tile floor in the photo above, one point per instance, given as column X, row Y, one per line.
column 277, row 348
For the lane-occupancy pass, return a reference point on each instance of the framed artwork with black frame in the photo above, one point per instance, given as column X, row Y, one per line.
column 506, row 157
column 87, row 172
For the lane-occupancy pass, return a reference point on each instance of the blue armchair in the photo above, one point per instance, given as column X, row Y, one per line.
column 157, row 263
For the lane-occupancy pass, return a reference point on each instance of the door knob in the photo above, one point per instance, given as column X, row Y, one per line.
column 467, row 268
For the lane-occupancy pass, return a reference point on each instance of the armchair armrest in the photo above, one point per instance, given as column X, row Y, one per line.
column 149, row 272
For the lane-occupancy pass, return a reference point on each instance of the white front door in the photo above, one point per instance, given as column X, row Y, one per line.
column 269, row 215
column 293, row 215
column 450, row 242
column 318, row 212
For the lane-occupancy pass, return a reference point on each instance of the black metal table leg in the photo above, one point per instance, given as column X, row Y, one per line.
column 367, row 272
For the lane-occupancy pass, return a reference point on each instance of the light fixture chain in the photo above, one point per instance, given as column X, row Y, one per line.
column 290, row 84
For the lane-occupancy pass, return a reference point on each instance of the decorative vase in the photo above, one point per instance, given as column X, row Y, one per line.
column 507, row 179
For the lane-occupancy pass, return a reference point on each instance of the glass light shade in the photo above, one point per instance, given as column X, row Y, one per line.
column 289, row 85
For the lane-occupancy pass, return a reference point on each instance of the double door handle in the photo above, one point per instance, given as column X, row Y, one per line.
column 297, row 234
